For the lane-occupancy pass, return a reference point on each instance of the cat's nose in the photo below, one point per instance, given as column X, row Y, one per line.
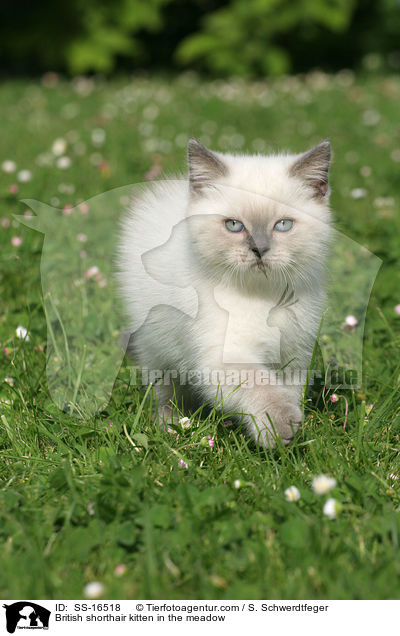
column 260, row 251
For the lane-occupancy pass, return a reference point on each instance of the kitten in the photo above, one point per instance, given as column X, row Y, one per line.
column 223, row 271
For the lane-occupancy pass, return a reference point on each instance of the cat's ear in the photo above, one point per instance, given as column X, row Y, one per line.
column 313, row 168
column 205, row 166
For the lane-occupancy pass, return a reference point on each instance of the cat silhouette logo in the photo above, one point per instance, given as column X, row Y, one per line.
column 26, row 615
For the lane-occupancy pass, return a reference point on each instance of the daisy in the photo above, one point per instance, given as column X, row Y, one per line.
column 22, row 333
column 24, row 176
column 59, row 147
column 351, row 321
column 292, row 493
column 63, row 163
column 358, row 193
column 9, row 166
column 322, row 484
column 331, row 508
column 93, row 590
column 185, row 422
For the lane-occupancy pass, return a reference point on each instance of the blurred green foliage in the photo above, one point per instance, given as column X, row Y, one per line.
column 244, row 37
column 248, row 38
column 77, row 36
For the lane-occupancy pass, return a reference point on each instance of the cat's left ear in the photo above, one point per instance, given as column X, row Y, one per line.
column 205, row 166
column 313, row 168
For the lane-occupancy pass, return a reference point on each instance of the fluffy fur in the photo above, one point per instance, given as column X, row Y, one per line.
column 203, row 299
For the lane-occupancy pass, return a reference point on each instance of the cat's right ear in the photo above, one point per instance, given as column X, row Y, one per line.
column 313, row 168
column 205, row 166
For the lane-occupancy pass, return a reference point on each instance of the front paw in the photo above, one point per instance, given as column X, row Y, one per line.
column 279, row 421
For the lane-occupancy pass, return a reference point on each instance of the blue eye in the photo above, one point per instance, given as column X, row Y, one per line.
column 284, row 225
column 234, row 226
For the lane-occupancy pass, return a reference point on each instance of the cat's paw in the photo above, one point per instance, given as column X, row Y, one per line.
column 288, row 421
column 282, row 422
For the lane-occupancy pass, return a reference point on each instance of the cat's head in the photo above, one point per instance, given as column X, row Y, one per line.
column 254, row 215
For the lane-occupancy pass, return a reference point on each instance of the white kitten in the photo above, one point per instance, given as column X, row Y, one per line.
column 223, row 274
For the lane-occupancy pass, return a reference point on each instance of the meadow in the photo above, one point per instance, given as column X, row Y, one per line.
column 200, row 512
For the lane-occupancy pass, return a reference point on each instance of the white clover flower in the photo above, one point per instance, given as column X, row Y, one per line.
column 91, row 272
column 120, row 569
column 44, row 159
column 59, row 147
column 384, row 202
column 63, row 163
column 358, row 193
column 66, row 188
column 9, row 380
column 24, row 176
column 98, row 136
column 322, row 484
column 366, row 171
column 292, row 493
column 93, row 590
column 22, row 333
column 371, row 117
column 185, row 422
column 331, row 508
column 351, row 321
column 237, row 484
column 9, row 166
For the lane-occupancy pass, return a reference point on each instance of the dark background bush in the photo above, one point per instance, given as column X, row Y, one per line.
column 250, row 38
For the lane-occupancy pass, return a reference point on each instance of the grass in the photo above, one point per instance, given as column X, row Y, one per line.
column 77, row 499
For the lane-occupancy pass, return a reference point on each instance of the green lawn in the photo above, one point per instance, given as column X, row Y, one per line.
column 76, row 499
